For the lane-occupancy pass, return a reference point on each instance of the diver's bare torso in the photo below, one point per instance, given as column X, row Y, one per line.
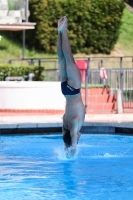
column 74, row 110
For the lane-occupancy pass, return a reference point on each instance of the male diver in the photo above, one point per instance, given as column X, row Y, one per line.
column 73, row 118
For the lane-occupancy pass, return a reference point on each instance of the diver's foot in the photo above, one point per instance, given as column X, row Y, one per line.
column 62, row 24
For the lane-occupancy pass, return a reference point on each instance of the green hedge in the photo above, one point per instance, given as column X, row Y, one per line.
column 21, row 70
column 93, row 24
column 95, row 85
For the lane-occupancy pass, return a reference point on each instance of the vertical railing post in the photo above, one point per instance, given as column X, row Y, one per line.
column 101, row 63
column 26, row 10
column 26, row 13
column 120, row 90
column 121, row 74
column 39, row 62
column 86, row 85
column 54, row 70
column 32, row 62
column 23, row 44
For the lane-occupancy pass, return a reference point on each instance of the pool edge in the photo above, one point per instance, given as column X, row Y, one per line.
column 56, row 128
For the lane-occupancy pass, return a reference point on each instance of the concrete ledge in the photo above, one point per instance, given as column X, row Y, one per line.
column 56, row 128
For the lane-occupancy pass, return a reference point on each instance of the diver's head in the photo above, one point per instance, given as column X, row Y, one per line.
column 67, row 137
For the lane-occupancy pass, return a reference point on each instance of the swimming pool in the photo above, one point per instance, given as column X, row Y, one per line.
column 35, row 168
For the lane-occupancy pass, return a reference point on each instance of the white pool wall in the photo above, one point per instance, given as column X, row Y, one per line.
column 31, row 95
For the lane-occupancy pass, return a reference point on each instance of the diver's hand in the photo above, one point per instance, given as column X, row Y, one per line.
column 70, row 152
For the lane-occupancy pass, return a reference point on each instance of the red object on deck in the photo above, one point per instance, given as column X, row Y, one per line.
column 82, row 65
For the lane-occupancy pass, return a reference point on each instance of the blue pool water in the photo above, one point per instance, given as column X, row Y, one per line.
column 35, row 168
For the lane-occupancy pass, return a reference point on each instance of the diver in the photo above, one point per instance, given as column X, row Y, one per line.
column 73, row 118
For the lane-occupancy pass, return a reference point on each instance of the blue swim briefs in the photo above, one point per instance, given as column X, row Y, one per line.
column 68, row 90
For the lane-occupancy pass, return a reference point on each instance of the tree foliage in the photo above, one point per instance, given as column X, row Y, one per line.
column 93, row 24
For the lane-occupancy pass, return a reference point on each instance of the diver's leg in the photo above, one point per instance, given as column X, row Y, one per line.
column 62, row 67
column 73, row 73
